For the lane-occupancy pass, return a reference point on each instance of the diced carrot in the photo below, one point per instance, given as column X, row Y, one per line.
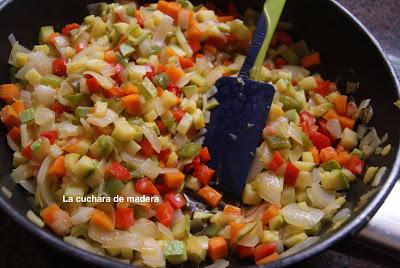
column 185, row 62
column 132, row 104
column 341, row 104
column 225, row 18
column 129, row 89
column 18, row 106
column 210, row 49
column 174, row 179
column 160, row 91
column 204, row 155
column 110, row 56
column 14, row 134
column 269, row 213
column 315, row 154
column 170, row 52
column 57, row 168
column 327, row 154
column 9, row 92
column 174, row 73
column 271, row 258
column 210, row 195
column 331, row 114
column 340, row 148
column 193, row 33
column 48, row 214
column 160, row 68
column 232, row 210
column 71, row 145
column 170, row 8
column 9, row 116
column 102, row 220
column 346, row 122
column 343, row 158
column 235, row 228
column 311, row 60
column 217, row 248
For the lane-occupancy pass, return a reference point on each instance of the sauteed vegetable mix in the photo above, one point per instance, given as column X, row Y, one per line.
column 117, row 107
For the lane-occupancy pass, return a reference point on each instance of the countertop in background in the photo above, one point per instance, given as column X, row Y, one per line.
column 19, row 248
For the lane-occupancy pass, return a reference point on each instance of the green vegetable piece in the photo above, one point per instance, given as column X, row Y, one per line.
column 51, row 80
column 102, row 147
column 250, row 196
column 202, row 215
column 197, row 247
column 81, row 111
column 168, row 121
column 84, row 167
column 76, row 98
column 291, row 57
column 295, row 239
column 196, row 225
column 95, row 178
column 74, row 192
column 175, row 251
column 189, row 151
column 211, row 230
column 358, row 152
column 126, row 50
column 212, row 103
column 147, row 89
column 276, row 222
column 155, row 50
column 301, row 49
column 315, row 230
column 161, row 80
column 121, row 27
column 245, row 230
column 334, row 180
column 181, row 228
column 290, row 103
column 185, row 4
column 307, row 143
column 113, row 252
column 122, row 60
column 276, row 142
column 292, row 115
column 114, row 187
column 189, row 91
column 44, row 33
column 27, row 115
column 331, row 165
column 80, row 230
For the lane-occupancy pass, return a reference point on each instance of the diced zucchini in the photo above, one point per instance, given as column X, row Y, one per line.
column 181, row 228
column 304, row 180
column 295, row 239
column 102, row 147
column 44, row 33
column 123, row 131
column 276, row 222
column 175, row 251
column 37, row 150
column 290, row 103
column 250, row 196
column 349, row 138
column 334, row 180
column 198, row 119
column 212, row 230
column 197, row 247
column 84, row 167
column 121, row 27
column 212, row 103
column 304, row 166
column 308, row 83
column 331, row 165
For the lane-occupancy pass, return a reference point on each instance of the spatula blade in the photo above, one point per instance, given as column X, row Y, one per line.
column 235, row 129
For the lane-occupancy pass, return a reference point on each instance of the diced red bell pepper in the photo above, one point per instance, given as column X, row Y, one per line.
column 165, row 213
column 114, row 92
column 276, row 161
column 355, row 165
column 291, row 174
column 194, row 45
column 323, row 130
column 58, row 108
column 279, row 62
column 150, row 74
column 160, row 125
column 178, row 114
column 245, row 252
column 307, row 121
column 147, row 149
column 204, row 174
column 283, row 38
column 27, row 152
column 177, row 200
column 164, row 155
column 320, row 140
column 185, row 62
column 118, row 171
column 117, row 76
column 232, row 10
column 194, row 165
column 323, row 88
column 51, row 135
column 204, row 155
column 146, row 186
column 163, row 189
column 60, row 67
column 80, row 46
column 174, row 89
column 68, row 28
column 124, row 218
column 93, row 85
column 264, row 250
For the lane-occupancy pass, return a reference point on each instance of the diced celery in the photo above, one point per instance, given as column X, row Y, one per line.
column 330, row 165
column 358, row 152
column 84, row 167
column 147, row 89
column 126, row 50
column 181, row 228
column 189, row 151
column 27, row 115
column 307, row 143
column 51, row 80
column 185, row 124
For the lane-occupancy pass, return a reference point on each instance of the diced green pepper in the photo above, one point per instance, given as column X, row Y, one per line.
column 27, row 115
column 102, row 147
column 331, row 165
column 290, row 103
column 51, row 80
column 161, row 80
column 212, row 103
column 81, row 111
column 276, row 142
column 292, row 115
column 155, row 50
column 358, row 152
column 189, row 151
column 211, row 230
column 114, row 187
column 189, row 91
column 307, row 143
column 290, row 57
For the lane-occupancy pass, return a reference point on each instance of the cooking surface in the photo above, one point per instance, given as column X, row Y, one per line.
column 19, row 248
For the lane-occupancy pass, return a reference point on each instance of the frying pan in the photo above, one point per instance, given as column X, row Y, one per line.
column 343, row 43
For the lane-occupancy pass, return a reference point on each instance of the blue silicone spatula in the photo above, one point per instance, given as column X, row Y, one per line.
column 235, row 127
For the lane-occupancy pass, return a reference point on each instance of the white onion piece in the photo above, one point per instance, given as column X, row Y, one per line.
column 12, row 144
column 316, row 178
column 295, row 133
column 334, row 127
column 82, row 215
column 226, row 232
column 25, row 136
column 179, row 140
column 133, row 160
column 43, row 182
column 106, row 82
column 297, row 72
column 213, row 76
column 45, row 94
column 378, row 176
column 183, row 19
column 38, row 60
column 68, row 130
column 29, row 185
column 168, row 170
column 152, row 138
column 146, row 227
column 44, row 115
column 149, row 169
column 16, row 48
column 342, row 215
column 300, row 246
column 304, row 218
column 361, row 131
column 165, row 232
column 269, row 187
column 152, row 253
column 162, row 30
column 102, row 122
column 364, row 104
column 254, row 213
column 265, row 153
column 320, row 197
column 26, row 97
column 221, row 263
column 256, row 167
column 116, row 238
column 83, row 244
column 250, row 240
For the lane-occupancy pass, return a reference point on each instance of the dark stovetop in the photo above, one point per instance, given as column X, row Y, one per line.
column 20, row 248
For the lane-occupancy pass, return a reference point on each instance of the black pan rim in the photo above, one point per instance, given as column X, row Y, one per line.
column 350, row 228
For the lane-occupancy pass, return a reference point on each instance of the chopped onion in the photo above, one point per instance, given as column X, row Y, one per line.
column 165, row 232
column 38, row 60
column 305, row 218
column 16, row 48
column 250, row 240
column 145, row 227
column 12, row 144
column 384, row 138
column 297, row 72
column 20, row 173
column 316, row 178
column 116, row 238
column 269, row 187
column 226, row 232
column 300, row 246
column 43, row 181
column 152, row 138
column 45, row 94
column 378, row 176
column 68, row 130
column 152, row 253
column 320, row 197
column 361, row 131
column 179, row 140
column 295, row 133
column 256, row 167
column 103, row 122
column 29, row 185
column 364, row 104
column 333, row 126
column 221, row 263
column 161, row 32
column 25, row 136
column 106, row 82
column 83, row 244
column 149, row 169
column 44, row 115
column 136, row 161
column 254, row 213
column 82, row 215
column 213, row 75
column 26, row 97
column 342, row 215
